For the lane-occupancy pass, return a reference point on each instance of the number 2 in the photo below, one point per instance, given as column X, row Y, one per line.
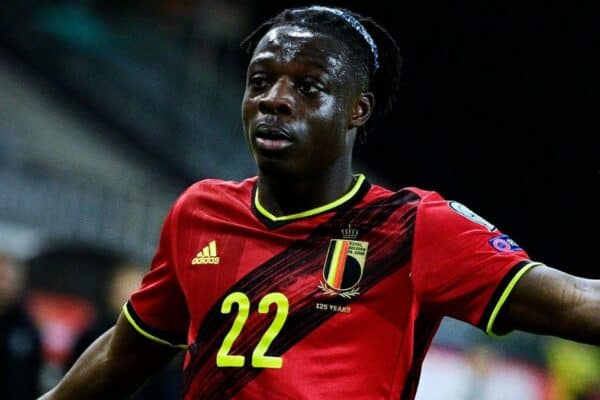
column 259, row 359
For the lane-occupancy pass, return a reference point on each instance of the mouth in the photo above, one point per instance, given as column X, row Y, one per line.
column 272, row 138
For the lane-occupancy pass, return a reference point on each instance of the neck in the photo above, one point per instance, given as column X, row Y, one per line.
column 285, row 195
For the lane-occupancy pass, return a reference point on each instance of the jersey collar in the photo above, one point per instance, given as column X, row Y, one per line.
column 354, row 195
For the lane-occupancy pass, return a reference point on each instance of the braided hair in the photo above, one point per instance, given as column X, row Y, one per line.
column 372, row 50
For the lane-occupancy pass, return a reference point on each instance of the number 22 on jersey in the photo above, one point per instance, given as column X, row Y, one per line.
column 259, row 357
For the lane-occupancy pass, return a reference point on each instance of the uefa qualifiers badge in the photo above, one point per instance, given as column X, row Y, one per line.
column 344, row 265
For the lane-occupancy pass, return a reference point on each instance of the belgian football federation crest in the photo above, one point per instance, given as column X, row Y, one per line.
column 344, row 265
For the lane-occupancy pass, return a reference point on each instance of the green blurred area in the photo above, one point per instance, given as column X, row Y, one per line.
column 575, row 368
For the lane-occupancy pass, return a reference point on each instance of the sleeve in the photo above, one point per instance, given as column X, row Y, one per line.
column 158, row 309
column 463, row 267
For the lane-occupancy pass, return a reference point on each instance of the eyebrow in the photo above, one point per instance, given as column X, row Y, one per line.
column 269, row 57
column 264, row 57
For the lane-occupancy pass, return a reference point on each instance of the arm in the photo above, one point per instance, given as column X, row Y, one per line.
column 114, row 366
column 550, row 302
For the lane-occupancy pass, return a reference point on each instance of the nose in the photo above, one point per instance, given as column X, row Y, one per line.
column 277, row 100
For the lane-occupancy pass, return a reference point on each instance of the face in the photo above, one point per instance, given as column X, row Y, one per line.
column 125, row 281
column 298, row 103
column 11, row 283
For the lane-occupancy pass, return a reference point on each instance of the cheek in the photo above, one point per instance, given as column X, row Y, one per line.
column 329, row 128
column 333, row 120
column 330, row 114
column 248, row 108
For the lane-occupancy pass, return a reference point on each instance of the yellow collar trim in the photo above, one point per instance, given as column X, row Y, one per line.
column 360, row 178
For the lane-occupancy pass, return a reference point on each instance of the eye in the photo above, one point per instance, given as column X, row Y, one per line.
column 309, row 86
column 257, row 82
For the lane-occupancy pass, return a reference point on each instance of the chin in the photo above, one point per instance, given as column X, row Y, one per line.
column 276, row 167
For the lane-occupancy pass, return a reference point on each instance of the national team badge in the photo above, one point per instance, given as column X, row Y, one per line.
column 344, row 265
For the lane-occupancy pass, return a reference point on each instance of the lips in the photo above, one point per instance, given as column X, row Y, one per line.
column 270, row 137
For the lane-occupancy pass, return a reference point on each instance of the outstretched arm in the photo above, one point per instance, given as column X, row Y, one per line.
column 114, row 366
column 551, row 302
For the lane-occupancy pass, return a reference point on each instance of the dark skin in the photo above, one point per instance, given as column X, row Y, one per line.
column 551, row 302
column 310, row 105
column 298, row 82
column 114, row 366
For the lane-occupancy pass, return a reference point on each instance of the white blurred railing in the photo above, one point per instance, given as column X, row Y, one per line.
column 64, row 210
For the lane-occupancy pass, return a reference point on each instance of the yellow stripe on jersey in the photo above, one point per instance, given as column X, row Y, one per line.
column 146, row 334
column 213, row 248
column 334, row 264
column 359, row 181
column 509, row 288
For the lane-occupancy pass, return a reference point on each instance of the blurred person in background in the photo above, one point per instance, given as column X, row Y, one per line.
column 122, row 280
column 20, row 345
column 307, row 281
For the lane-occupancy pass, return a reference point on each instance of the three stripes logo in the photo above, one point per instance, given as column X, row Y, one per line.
column 208, row 255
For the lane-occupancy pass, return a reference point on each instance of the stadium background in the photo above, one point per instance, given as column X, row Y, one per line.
column 109, row 109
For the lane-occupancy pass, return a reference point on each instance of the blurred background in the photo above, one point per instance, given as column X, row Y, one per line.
column 109, row 109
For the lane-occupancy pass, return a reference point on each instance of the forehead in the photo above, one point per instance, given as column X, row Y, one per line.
column 300, row 44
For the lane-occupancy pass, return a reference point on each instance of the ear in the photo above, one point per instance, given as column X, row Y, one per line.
column 362, row 110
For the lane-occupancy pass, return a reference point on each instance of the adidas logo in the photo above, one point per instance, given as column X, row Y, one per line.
column 208, row 255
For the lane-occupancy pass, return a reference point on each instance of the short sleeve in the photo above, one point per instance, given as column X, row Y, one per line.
column 158, row 309
column 463, row 266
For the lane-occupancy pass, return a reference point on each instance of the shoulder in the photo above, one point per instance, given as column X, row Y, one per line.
column 410, row 199
column 419, row 198
column 378, row 192
column 213, row 192
column 218, row 187
column 439, row 216
column 426, row 197
column 436, row 211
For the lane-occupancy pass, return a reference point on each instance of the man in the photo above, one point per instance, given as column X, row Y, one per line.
column 124, row 278
column 306, row 282
column 20, row 344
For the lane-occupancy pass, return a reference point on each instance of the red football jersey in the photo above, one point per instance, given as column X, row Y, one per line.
column 341, row 300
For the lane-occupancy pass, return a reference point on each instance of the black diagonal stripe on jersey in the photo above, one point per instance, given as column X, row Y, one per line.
column 425, row 326
column 301, row 259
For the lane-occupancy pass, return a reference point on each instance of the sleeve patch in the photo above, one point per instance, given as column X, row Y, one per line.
column 504, row 244
column 464, row 211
